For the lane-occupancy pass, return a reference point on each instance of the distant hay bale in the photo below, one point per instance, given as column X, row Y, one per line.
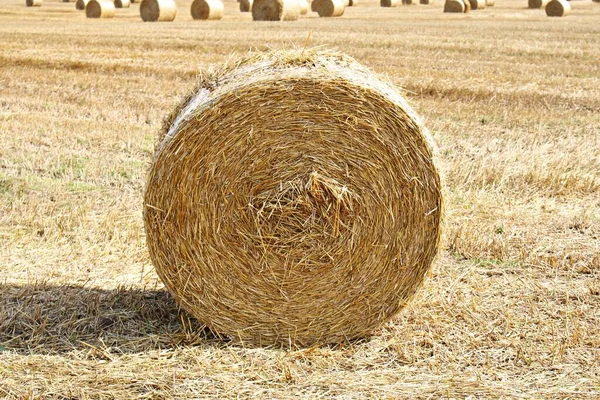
column 558, row 8
column 278, row 212
column 455, row 6
column 328, row 8
column 303, row 6
column 407, row 2
column 388, row 3
column 122, row 3
column 158, row 10
column 33, row 3
column 100, row 9
column 490, row 3
column 476, row 4
column 426, row 2
column 207, row 9
column 354, row 3
column 245, row 5
column 537, row 3
column 80, row 4
column 275, row 10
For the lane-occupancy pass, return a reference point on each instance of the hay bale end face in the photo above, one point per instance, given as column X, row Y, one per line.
column 275, row 10
column 303, row 6
column 388, row 3
column 455, row 6
column 328, row 8
column 207, row 9
column 158, row 10
column 558, row 8
column 122, row 3
column 537, row 3
column 476, row 4
column 279, row 212
column 80, row 4
column 354, row 3
column 33, row 3
column 245, row 5
column 100, row 9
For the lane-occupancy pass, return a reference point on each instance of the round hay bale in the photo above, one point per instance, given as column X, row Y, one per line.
column 454, row 6
column 346, row 3
column 33, row 3
column 303, row 6
column 122, row 3
column 537, row 3
column 558, row 8
column 207, row 9
column 158, row 10
column 100, row 9
column 476, row 4
column 388, row 3
column 490, row 3
column 328, row 8
column 407, row 2
column 80, row 4
column 426, row 2
column 275, row 10
column 354, row 3
column 279, row 212
column 245, row 5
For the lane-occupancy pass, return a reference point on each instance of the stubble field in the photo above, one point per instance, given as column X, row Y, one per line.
column 511, row 308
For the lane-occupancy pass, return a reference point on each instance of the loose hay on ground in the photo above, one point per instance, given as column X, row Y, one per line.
column 279, row 212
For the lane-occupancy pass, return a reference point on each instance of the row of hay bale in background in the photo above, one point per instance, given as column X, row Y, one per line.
column 280, row 10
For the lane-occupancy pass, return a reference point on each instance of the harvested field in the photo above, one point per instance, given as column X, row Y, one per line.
column 511, row 309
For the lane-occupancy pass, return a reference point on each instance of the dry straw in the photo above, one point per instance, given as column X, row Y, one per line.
column 80, row 4
column 122, row 3
column 558, row 8
column 100, row 9
column 275, row 10
column 328, row 8
column 293, row 200
column 33, row 3
column 245, row 5
column 388, row 3
column 303, row 5
column 158, row 10
column 207, row 9
column 537, row 3
column 476, row 4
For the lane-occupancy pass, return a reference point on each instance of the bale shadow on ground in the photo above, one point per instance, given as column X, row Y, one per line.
column 49, row 319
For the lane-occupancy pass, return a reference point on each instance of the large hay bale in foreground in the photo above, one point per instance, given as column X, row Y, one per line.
column 275, row 10
column 33, row 3
column 328, row 8
column 303, row 6
column 207, row 9
column 122, row 3
column 537, row 3
column 245, row 5
column 293, row 200
column 388, row 3
column 558, row 8
column 80, row 4
column 100, row 9
column 477, row 4
column 455, row 6
column 158, row 10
